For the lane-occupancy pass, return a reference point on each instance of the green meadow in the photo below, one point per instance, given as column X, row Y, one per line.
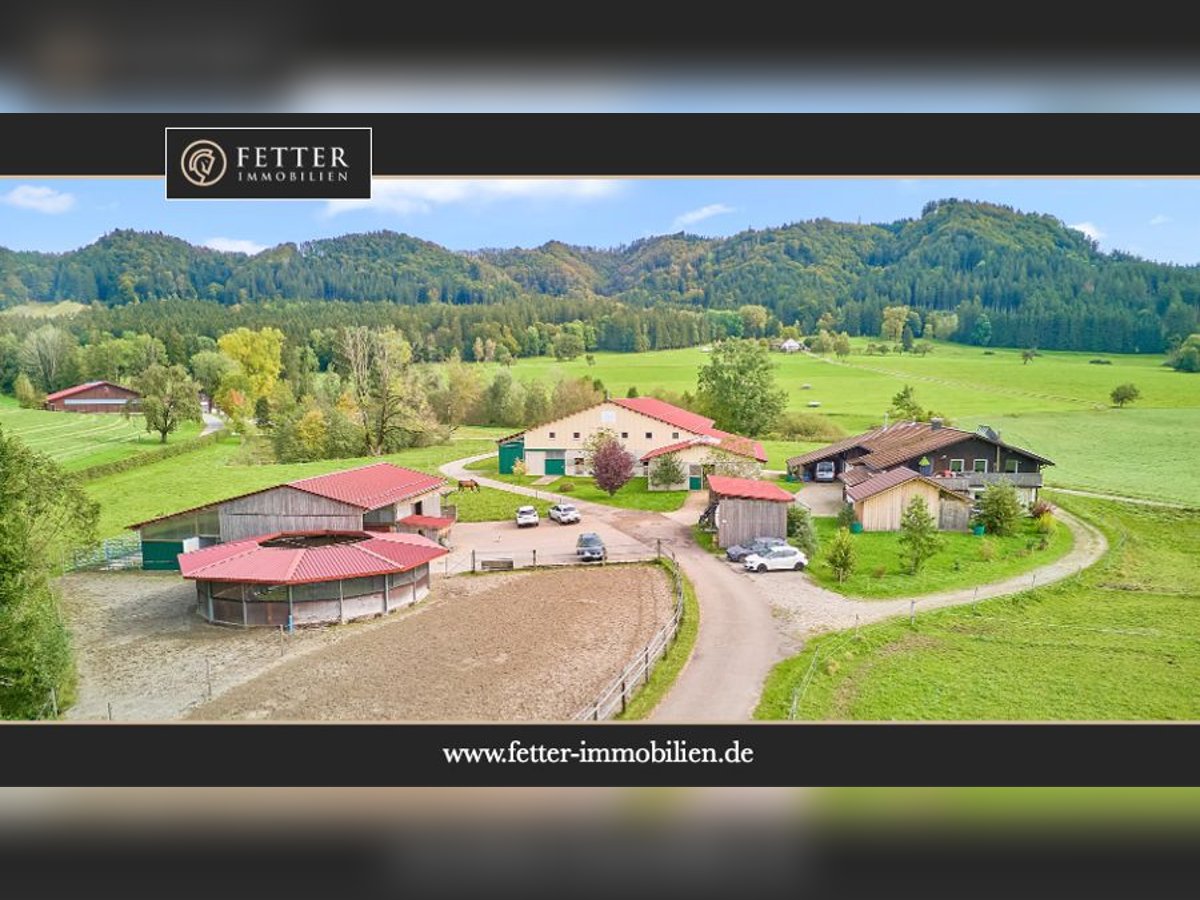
column 79, row 440
column 1117, row 641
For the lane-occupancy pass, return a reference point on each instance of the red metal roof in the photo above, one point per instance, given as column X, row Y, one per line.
column 730, row 443
column 666, row 412
column 79, row 388
column 748, row 489
column 416, row 521
column 369, row 487
column 249, row 561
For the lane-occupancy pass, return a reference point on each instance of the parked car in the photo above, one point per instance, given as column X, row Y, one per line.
column 826, row 470
column 775, row 559
column 738, row 552
column 564, row 514
column 526, row 516
column 590, row 548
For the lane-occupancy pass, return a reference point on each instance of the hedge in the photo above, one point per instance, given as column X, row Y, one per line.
column 150, row 456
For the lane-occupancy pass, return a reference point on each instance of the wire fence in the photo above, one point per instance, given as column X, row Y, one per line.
column 614, row 698
column 124, row 552
column 500, row 559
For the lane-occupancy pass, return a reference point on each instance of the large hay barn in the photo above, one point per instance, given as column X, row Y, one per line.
column 309, row 578
column 93, row 397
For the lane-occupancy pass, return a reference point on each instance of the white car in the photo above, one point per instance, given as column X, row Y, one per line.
column 526, row 516
column 564, row 514
column 775, row 559
column 826, row 470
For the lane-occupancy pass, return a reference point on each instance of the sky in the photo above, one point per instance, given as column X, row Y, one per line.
column 1155, row 218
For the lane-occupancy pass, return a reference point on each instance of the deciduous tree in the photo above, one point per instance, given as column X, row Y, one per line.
column 611, row 465
column 737, row 388
column 169, row 397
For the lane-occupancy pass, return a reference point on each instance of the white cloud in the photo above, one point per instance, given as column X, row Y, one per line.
column 692, row 216
column 234, row 245
column 41, row 199
column 406, row 196
column 1160, row 219
column 1089, row 229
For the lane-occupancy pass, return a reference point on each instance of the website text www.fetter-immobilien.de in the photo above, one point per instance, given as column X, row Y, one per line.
column 674, row 751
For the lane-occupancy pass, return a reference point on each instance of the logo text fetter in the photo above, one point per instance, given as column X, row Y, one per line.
column 292, row 163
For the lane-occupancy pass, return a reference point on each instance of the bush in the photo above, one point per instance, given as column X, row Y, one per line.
column 667, row 471
column 999, row 508
column 565, row 487
column 800, row 530
column 28, row 397
column 1046, row 524
column 845, row 516
column 831, row 667
column 989, row 352
column 1100, row 362
column 799, row 426
column 879, row 572
column 987, row 549
column 519, row 467
column 1039, row 509
column 1043, row 543
column 841, row 556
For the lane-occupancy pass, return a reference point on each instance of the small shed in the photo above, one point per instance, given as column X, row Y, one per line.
column 93, row 397
column 746, row 509
column 307, row 578
column 879, row 501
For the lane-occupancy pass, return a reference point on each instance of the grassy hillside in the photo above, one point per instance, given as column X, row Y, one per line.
column 1116, row 642
column 78, row 440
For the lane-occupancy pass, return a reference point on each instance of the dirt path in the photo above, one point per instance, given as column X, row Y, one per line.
column 750, row 622
column 529, row 646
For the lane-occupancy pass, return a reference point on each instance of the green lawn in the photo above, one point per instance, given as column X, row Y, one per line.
column 493, row 505
column 79, row 440
column 218, row 471
column 636, row 494
column 960, row 563
column 1118, row 641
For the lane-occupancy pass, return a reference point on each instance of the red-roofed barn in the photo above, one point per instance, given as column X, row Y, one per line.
column 379, row 498
column 93, row 397
column 649, row 428
column 305, row 578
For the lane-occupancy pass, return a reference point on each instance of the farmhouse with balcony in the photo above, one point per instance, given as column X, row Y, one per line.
column 381, row 497
column 93, row 397
column 648, row 428
column 950, row 459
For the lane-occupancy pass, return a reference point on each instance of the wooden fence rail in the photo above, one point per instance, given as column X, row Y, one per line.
column 616, row 695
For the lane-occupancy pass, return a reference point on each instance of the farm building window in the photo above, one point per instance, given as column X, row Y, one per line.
column 397, row 579
column 382, row 516
column 649, row 435
column 226, row 590
column 624, row 435
column 321, row 590
column 552, row 435
column 1012, row 465
column 174, row 529
column 979, row 465
column 675, row 435
column 208, row 523
column 575, row 435
column 267, row 593
column 957, row 465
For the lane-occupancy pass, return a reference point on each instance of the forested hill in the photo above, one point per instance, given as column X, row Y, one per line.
column 1013, row 278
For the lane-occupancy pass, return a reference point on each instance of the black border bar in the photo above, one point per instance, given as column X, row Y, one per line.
column 799, row 754
column 650, row 144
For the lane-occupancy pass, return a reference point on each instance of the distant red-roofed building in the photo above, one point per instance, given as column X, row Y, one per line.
column 648, row 427
column 93, row 397
column 379, row 498
column 309, row 577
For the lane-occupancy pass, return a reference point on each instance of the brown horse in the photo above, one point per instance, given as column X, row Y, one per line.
column 468, row 484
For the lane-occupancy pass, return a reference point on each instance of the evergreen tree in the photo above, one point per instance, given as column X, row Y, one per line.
column 919, row 538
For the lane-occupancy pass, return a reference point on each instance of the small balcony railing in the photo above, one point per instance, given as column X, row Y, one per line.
column 964, row 480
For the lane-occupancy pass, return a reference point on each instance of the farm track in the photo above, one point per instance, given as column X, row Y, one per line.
column 749, row 623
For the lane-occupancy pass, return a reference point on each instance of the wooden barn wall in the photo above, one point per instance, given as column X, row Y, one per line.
column 285, row 509
column 955, row 515
column 883, row 511
column 741, row 521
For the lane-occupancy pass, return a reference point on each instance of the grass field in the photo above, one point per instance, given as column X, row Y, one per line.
column 217, row 471
column 1118, row 641
column 636, row 493
column 960, row 563
column 492, row 505
column 1047, row 404
column 79, row 440
column 44, row 310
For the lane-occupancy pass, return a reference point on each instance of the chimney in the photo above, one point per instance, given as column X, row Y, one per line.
column 935, row 423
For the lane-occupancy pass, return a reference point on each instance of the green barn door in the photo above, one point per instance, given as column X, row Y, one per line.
column 556, row 466
column 510, row 452
column 695, row 478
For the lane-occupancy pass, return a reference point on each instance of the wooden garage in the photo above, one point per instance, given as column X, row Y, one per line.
column 743, row 509
column 879, row 502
